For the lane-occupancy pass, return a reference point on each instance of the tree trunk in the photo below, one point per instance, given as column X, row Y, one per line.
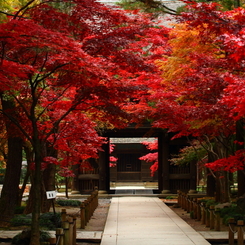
column 66, row 186
column 240, row 146
column 211, row 184
column 29, row 159
column 219, row 151
column 48, row 185
column 48, row 178
column 23, row 187
column 10, row 191
column 223, row 187
column 227, row 190
column 37, row 181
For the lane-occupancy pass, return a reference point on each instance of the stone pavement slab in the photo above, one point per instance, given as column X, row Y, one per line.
column 216, row 235
column 146, row 221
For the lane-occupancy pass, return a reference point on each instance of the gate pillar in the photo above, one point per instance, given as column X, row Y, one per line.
column 163, row 163
column 104, row 171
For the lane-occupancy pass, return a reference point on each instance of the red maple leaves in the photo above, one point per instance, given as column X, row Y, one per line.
column 151, row 157
column 75, row 68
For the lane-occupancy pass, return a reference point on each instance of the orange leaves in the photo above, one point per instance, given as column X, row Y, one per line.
column 195, row 72
column 186, row 43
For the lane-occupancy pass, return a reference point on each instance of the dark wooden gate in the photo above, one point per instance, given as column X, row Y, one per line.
column 128, row 167
column 179, row 177
column 88, row 180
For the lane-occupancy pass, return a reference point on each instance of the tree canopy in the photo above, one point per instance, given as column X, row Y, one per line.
column 70, row 69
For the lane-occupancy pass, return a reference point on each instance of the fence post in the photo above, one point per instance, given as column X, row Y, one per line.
column 74, row 230
column 231, row 231
column 70, row 221
column 52, row 241
column 194, row 208
column 96, row 197
column 199, row 214
column 203, row 220
column 93, row 203
column 191, row 209
column 185, row 202
column 207, row 217
column 211, row 210
column 86, row 204
column 181, row 199
column 63, row 215
column 89, row 207
column 60, row 236
column 188, row 203
column 217, row 219
column 179, row 202
column 240, row 239
column 66, row 232
column 82, row 215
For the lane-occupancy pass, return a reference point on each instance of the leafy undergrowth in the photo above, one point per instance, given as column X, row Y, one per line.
column 48, row 221
column 23, row 238
column 68, row 202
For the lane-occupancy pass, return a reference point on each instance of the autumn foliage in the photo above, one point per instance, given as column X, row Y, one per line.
column 74, row 68
column 76, row 65
column 201, row 92
column 231, row 164
column 71, row 69
column 151, row 157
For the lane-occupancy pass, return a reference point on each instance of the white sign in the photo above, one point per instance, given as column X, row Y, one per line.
column 51, row 194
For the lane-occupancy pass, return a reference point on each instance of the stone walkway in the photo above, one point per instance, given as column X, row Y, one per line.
column 146, row 221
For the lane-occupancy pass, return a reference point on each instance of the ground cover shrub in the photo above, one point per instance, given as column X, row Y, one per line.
column 234, row 211
column 207, row 201
column 68, row 202
column 171, row 197
column 48, row 221
column 210, row 202
column 23, row 238
column 19, row 210
column 21, row 220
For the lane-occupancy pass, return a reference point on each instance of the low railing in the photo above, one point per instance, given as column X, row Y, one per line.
column 208, row 215
column 236, row 227
column 67, row 234
column 88, row 207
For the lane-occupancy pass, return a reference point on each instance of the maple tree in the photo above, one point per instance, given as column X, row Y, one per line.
column 200, row 78
column 67, row 72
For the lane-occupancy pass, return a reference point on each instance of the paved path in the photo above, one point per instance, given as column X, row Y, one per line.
column 146, row 221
